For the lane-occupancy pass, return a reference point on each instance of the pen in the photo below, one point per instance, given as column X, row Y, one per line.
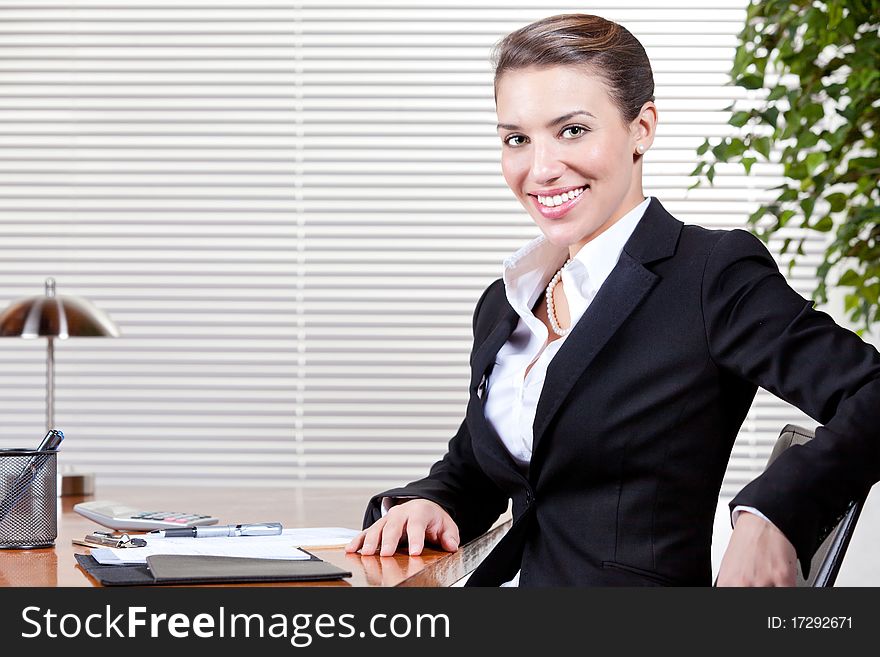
column 51, row 440
column 254, row 529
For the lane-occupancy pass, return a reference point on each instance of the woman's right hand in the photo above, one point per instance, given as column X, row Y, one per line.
column 420, row 519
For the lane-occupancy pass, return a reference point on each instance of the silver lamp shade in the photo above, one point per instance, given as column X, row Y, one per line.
column 54, row 316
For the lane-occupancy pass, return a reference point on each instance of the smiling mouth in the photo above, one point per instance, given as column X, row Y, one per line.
column 558, row 205
column 559, row 199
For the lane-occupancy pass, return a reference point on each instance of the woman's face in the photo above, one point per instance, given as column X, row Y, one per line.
column 562, row 136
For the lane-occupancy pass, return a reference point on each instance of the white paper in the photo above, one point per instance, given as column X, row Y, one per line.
column 282, row 546
column 321, row 536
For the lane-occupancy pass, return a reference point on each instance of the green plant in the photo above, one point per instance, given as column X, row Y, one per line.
column 824, row 118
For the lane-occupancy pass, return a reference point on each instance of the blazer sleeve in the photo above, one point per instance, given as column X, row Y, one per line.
column 760, row 329
column 456, row 482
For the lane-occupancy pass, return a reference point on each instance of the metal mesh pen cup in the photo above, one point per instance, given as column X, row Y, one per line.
column 28, row 515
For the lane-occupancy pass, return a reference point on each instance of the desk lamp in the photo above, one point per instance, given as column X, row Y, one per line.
column 54, row 316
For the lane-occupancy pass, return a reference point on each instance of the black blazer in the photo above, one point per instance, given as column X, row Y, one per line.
column 639, row 412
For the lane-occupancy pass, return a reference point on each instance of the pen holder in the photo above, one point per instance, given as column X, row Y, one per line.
column 28, row 515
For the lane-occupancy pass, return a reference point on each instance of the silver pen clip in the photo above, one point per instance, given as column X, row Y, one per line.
column 106, row 539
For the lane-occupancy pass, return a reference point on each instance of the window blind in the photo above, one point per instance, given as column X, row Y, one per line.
column 290, row 210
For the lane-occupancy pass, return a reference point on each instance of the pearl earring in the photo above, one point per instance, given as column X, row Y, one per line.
column 640, row 149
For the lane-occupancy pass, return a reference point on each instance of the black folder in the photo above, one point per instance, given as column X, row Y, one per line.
column 196, row 569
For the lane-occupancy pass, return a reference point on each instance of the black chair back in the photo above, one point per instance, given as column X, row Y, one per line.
column 829, row 556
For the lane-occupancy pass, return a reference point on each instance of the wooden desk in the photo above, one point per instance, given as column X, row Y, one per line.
column 293, row 507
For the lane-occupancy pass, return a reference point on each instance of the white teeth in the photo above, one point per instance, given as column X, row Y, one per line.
column 559, row 199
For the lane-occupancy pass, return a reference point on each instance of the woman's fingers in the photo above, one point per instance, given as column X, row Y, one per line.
column 418, row 520
column 415, row 535
column 356, row 542
column 444, row 532
column 392, row 532
column 449, row 537
column 369, row 539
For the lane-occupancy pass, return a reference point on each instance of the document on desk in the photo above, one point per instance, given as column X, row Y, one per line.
column 281, row 546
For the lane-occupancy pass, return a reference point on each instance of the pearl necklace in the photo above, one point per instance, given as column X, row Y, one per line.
column 551, row 308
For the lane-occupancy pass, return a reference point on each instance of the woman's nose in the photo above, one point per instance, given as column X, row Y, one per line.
column 546, row 164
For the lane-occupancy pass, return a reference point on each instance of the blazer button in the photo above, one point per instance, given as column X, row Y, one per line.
column 529, row 498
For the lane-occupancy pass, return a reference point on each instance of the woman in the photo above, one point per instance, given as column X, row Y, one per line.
column 615, row 361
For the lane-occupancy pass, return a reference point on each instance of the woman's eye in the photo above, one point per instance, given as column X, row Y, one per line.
column 573, row 131
column 515, row 140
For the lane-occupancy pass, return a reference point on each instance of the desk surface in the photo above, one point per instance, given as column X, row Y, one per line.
column 293, row 507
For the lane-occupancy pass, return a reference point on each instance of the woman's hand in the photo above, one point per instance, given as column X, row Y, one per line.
column 758, row 554
column 420, row 519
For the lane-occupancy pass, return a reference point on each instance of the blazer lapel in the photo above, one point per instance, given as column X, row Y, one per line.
column 487, row 445
column 655, row 237
column 484, row 356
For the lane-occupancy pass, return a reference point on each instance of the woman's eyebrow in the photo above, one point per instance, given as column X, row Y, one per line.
column 564, row 117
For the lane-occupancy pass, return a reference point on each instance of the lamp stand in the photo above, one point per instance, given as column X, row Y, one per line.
column 50, row 384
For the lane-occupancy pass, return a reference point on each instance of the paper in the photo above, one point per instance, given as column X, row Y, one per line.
column 321, row 536
column 282, row 546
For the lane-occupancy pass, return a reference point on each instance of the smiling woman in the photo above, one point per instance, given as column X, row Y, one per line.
column 616, row 359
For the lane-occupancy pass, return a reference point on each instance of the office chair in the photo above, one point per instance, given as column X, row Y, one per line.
column 826, row 562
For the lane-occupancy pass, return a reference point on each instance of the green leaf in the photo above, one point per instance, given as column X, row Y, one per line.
column 807, row 139
column 739, row 119
column 849, row 277
column 835, row 14
column 833, row 90
column 750, row 81
column 735, row 147
column 807, row 206
column 703, row 147
column 837, row 201
column 850, row 302
column 823, row 225
column 814, row 160
column 777, row 92
column 757, row 214
column 813, row 113
column 747, row 163
column 783, row 218
column 770, row 116
column 788, row 195
column 762, row 145
column 710, row 174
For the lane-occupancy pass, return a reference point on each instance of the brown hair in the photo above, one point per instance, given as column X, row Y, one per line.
column 608, row 49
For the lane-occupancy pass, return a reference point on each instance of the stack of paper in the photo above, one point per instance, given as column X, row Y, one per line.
column 282, row 546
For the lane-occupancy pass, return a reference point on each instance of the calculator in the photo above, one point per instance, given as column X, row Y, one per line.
column 116, row 515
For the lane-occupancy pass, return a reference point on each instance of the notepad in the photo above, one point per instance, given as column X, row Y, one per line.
column 282, row 546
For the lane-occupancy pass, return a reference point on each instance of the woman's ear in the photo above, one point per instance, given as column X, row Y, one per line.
column 644, row 127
